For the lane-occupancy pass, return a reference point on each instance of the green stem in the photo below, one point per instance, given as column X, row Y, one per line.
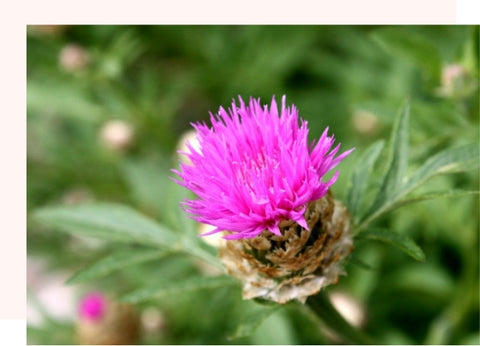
column 323, row 308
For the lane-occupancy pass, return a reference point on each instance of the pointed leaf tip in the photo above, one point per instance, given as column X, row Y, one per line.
column 402, row 242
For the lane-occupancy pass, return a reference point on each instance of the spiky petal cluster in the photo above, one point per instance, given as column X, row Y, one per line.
column 254, row 168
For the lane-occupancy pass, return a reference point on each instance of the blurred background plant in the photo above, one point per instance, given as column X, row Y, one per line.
column 108, row 106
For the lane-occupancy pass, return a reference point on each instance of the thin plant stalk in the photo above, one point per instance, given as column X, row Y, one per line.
column 323, row 308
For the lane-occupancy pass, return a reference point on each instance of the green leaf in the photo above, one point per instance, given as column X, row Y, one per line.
column 174, row 216
column 120, row 223
column 255, row 316
column 146, row 182
column 109, row 221
column 274, row 330
column 70, row 101
column 116, row 261
column 433, row 195
column 152, row 187
column 471, row 339
column 411, row 47
column 398, row 157
column 429, row 279
column 450, row 160
column 361, row 263
column 402, row 242
column 360, row 175
column 195, row 246
column 394, row 187
column 178, row 287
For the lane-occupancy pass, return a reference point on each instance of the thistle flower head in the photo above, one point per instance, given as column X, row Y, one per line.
column 254, row 168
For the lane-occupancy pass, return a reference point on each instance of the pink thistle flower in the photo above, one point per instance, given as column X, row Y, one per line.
column 254, row 168
column 93, row 306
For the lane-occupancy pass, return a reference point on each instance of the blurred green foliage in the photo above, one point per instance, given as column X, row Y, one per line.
column 158, row 79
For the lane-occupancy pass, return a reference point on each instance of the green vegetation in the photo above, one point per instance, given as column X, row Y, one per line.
column 406, row 97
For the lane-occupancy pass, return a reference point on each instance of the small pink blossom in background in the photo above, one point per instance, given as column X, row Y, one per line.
column 450, row 73
column 73, row 57
column 93, row 306
column 254, row 168
column 365, row 123
column 117, row 134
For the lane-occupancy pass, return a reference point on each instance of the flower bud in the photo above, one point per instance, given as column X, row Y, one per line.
column 454, row 79
column 215, row 240
column 349, row 307
column 188, row 138
column 117, row 135
column 450, row 73
column 46, row 30
column 73, row 57
column 77, row 195
column 365, row 123
column 153, row 320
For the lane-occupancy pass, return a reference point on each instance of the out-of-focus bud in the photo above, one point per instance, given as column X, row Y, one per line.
column 76, row 195
column 349, row 307
column 215, row 240
column 73, row 57
column 153, row 321
column 103, row 321
column 365, row 123
column 117, row 135
column 46, row 30
column 454, row 80
column 49, row 295
column 188, row 137
column 450, row 73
